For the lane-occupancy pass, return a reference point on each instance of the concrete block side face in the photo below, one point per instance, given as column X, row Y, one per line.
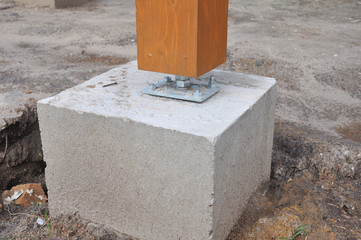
column 242, row 162
column 138, row 179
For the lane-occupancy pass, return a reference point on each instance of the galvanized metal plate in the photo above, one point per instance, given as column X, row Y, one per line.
column 197, row 91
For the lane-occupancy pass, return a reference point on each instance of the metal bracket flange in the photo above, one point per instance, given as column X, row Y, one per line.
column 193, row 90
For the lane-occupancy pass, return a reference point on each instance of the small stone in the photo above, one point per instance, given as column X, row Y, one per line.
column 14, row 14
column 30, row 192
column 16, row 195
column 5, row 194
column 40, row 222
column 25, row 195
column 259, row 62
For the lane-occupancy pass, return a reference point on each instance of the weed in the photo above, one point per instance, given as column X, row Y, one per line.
column 65, row 79
column 48, row 224
column 300, row 230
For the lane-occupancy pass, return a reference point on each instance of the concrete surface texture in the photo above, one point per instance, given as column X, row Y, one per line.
column 157, row 168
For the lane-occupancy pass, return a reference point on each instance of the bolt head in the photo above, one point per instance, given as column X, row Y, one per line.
column 182, row 84
column 212, row 82
column 181, row 78
column 167, row 79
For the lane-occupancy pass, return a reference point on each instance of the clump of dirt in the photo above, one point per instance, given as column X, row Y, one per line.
column 351, row 131
column 278, row 208
column 298, row 148
column 21, row 159
column 17, row 222
column 95, row 58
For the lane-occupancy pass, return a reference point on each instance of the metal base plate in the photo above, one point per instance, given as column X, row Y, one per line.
column 198, row 91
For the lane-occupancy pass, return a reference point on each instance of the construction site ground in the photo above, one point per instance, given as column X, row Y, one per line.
column 311, row 47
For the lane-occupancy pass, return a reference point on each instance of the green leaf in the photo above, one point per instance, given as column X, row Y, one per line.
column 48, row 224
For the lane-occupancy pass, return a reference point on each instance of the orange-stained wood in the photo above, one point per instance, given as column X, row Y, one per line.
column 167, row 36
column 212, row 34
column 181, row 37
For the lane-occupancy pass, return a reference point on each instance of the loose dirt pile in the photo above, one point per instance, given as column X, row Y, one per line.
column 18, row 223
column 277, row 209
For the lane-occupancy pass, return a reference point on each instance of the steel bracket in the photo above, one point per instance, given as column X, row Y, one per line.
column 183, row 88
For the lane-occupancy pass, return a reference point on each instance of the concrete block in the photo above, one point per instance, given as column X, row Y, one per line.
column 157, row 168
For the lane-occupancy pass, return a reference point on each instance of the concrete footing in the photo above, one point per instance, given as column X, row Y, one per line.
column 157, row 168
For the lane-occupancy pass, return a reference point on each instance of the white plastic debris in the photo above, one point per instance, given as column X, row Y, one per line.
column 40, row 222
column 41, row 197
column 30, row 192
column 15, row 196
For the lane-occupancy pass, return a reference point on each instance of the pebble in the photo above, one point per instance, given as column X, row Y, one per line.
column 14, row 14
column 259, row 63
column 40, row 222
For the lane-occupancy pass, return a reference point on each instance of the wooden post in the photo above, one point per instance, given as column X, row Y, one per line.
column 181, row 37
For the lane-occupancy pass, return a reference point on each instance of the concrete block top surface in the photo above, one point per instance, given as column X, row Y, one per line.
column 239, row 92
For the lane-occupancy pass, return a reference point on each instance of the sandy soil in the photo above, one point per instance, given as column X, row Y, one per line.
column 313, row 49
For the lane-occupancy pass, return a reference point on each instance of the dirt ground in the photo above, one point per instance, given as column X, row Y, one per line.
column 311, row 47
column 277, row 209
column 331, row 210
column 17, row 222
